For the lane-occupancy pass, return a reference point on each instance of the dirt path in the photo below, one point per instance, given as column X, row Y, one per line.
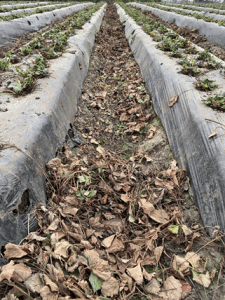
column 115, row 227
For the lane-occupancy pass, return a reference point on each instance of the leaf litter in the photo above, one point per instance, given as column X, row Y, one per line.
column 111, row 218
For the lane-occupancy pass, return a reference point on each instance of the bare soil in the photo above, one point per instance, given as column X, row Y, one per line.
column 119, row 223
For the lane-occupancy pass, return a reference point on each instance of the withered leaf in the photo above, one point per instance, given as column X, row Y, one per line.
column 21, row 272
column 158, row 252
column 107, row 242
column 110, row 287
column 116, row 246
column 54, row 164
column 53, row 225
column 46, row 294
column 203, row 279
column 173, row 288
column 146, row 206
column 14, row 251
column 61, row 249
column 159, row 215
column 7, row 271
column 126, row 198
column 10, row 297
column 173, row 100
column 148, row 276
column 215, row 132
column 34, row 283
column 168, row 184
column 51, row 284
column 136, row 273
column 35, row 236
column 180, row 265
column 193, row 258
column 153, row 287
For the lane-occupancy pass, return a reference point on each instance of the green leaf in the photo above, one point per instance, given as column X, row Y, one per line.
column 131, row 219
column 174, row 229
column 91, row 193
column 96, row 282
column 16, row 87
column 184, row 228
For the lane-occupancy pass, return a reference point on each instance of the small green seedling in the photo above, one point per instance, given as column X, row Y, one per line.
column 217, row 101
column 207, row 84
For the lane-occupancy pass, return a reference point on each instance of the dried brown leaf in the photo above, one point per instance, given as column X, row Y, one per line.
column 110, row 287
column 21, row 272
column 193, row 258
column 180, row 265
column 126, row 198
column 116, row 246
column 61, row 249
column 173, row 100
column 7, row 271
column 202, row 279
column 146, row 206
column 215, row 132
column 54, row 164
column 51, row 284
column 10, row 297
column 159, row 215
column 148, row 276
column 153, row 287
column 34, row 236
column 14, row 251
column 46, row 294
column 173, row 289
column 107, row 242
column 34, row 283
column 158, row 252
column 53, row 225
column 127, row 280
column 136, row 274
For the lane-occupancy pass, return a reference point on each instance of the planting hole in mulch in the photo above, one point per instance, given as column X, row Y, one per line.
column 119, row 223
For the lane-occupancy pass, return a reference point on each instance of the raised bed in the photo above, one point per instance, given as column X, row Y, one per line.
column 204, row 14
column 27, row 4
column 185, row 122
column 192, row 7
column 212, row 31
column 30, row 10
column 37, row 125
column 14, row 29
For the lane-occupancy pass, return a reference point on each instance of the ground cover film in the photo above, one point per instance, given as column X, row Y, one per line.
column 119, row 222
